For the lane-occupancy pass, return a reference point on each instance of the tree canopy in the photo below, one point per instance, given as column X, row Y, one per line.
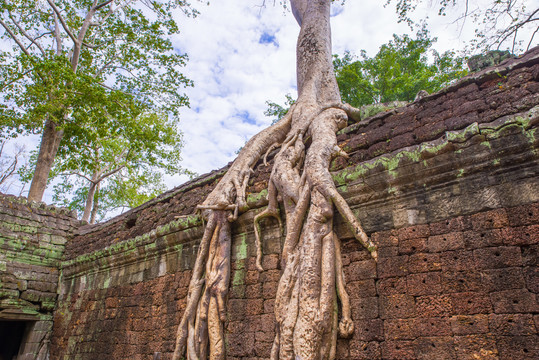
column 399, row 70
column 117, row 161
column 69, row 56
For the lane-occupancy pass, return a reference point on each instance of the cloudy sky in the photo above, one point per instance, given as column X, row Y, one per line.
column 242, row 55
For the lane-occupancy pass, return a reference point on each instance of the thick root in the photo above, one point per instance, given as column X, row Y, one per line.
column 312, row 281
column 271, row 211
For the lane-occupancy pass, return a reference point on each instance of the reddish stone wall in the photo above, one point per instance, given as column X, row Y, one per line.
column 448, row 187
column 463, row 288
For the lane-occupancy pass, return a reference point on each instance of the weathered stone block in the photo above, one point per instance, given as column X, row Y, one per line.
column 424, row 262
column 401, row 329
column 458, row 260
column 398, row 350
column 512, row 324
column 393, row 267
column 361, row 350
column 361, row 270
column 391, row 286
column 469, row 324
column 523, row 235
column 412, row 246
column 435, row 348
column 474, row 347
column 518, row 347
column 423, row 283
column 498, row 257
column 364, row 308
column 470, row 303
column 362, row 288
column 369, row 330
column 397, row 306
column 434, row 306
column 461, row 281
column 514, row 301
column 502, row 279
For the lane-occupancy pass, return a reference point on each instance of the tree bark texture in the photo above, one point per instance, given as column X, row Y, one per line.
column 52, row 136
column 312, row 279
column 50, row 142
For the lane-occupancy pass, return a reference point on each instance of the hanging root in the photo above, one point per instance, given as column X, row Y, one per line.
column 354, row 223
column 346, row 325
column 271, row 211
column 270, row 149
column 201, row 331
column 195, row 289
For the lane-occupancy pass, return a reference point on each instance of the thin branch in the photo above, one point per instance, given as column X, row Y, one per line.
column 112, row 172
column 75, row 173
column 100, row 71
column 103, row 4
column 14, row 37
column 44, row 34
column 91, row 46
column 62, row 21
column 21, row 76
column 57, row 35
column 25, row 33
column 530, row 43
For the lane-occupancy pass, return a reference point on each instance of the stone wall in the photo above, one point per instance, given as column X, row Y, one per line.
column 448, row 188
column 32, row 240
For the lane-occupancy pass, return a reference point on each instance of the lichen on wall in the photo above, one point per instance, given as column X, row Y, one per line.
column 32, row 241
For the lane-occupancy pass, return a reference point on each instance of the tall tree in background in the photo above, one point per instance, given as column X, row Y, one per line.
column 118, row 160
column 312, row 279
column 66, row 51
column 399, row 70
column 500, row 24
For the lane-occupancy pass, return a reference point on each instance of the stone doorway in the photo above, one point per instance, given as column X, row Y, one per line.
column 11, row 335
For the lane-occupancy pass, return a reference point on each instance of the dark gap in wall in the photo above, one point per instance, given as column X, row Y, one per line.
column 11, row 333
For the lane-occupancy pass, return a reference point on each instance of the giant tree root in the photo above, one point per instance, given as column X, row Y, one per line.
column 312, row 280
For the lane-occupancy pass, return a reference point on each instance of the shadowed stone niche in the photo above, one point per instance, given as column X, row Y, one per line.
column 32, row 240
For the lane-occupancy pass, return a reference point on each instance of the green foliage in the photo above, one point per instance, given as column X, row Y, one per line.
column 106, row 73
column 397, row 72
column 278, row 111
column 125, row 151
column 126, row 48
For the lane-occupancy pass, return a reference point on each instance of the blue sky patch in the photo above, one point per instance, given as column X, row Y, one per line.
column 246, row 117
column 336, row 10
column 267, row 38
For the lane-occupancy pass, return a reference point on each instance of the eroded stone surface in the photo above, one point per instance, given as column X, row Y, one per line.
column 447, row 187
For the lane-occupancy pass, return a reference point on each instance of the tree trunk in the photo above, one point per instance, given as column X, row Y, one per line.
column 50, row 142
column 90, row 198
column 312, row 280
column 95, row 205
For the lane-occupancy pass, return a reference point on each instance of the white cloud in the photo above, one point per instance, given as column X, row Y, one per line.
column 242, row 55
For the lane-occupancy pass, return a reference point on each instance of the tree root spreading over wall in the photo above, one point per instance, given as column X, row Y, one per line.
column 312, row 280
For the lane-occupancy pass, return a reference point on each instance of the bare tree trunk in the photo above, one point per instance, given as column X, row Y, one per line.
column 312, row 280
column 96, row 204
column 90, row 198
column 50, row 142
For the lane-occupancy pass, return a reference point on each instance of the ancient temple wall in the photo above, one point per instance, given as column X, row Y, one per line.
column 32, row 240
column 447, row 187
